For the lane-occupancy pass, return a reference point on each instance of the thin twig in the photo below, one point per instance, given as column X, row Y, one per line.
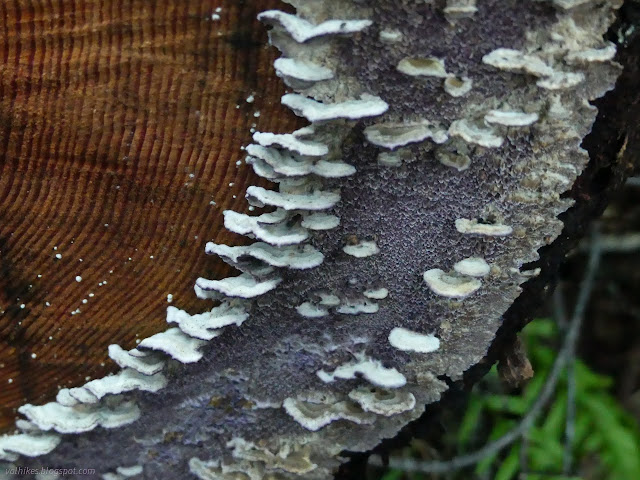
column 559, row 313
column 548, row 389
column 524, row 453
column 578, row 315
column 615, row 243
column 559, row 309
column 570, row 424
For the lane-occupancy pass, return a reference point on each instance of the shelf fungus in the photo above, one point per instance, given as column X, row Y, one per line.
column 464, row 225
column 394, row 135
column 451, row 284
column 362, row 249
column 423, row 67
column 383, row 402
column 456, row 86
column 305, row 337
column 371, row 370
column 410, row 341
column 472, row 266
column 314, row 415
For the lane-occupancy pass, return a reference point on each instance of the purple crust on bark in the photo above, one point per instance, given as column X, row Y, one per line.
column 410, row 212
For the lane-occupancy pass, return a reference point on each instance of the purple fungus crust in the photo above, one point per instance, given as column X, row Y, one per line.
column 272, row 396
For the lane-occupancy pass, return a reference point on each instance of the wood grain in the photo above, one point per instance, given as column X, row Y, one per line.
column 121, row 122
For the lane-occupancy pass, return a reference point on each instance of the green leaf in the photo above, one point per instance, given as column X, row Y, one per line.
column 545, row 453
column 587, row 379
column 555, row 420
column 501, row 427
column 533, row 389
column 542, row 358
column 470, row 421
column 541, row 328
column 392, row 475
column 583, row 428
column 510, row 465
column 538, row 476
column 507, row 404
column 619, row 440
column 592, row 443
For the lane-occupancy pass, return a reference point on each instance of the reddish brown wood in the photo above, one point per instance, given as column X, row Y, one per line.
column 120, row 122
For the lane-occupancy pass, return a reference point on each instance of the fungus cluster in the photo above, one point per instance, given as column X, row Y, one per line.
column 310, row 318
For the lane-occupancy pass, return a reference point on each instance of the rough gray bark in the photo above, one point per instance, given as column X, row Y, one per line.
column 440, row 176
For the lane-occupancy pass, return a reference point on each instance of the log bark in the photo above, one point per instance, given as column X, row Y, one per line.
column 614, row 154
column 123, row 115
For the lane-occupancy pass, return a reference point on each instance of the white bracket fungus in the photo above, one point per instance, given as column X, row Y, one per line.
column 26, row 426
column 511, row 118
column 263, row 169
column 205, row 325
column 466, row 226
column 422, row 67
column 362, row 249
column 26, row 444
column 561, row 80
column 269, row 163
column 515, row 60
column 410, row 341
column 389, row 35
column 290, row 458
column 128, row 472
column 277, row 163
column 242, row 286
column 301, row 30
column 292, row 142
column 328, row 299
column 310, row 310
column 569, row 4
column 64, row 397
column 383, row 402
column 390, row 159
column 450, row 285
column 213, row 470
column 82, row 395
column 474, row 134
column 320, row 221
column 302, row 70
column 294, row 257
column 280, row 234
column 394, row 135
column 457, row 87
column 314, row 416
column 372, row 370
column 176, row 344
column 356, row 308
column 592, row 54
column 82, row 418
column 144, row 362
column 314, row 111
column 316, row 200
column 472, row 266
column 456, row 9
column 459, row 161
column 376, row 294
column 333, row 169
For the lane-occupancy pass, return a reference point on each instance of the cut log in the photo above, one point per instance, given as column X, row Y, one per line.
column 391, row 251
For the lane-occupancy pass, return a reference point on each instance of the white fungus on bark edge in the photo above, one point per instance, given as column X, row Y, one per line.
column 410, row 341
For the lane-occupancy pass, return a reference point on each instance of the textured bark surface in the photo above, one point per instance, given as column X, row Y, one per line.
column 232, row 412
column 614, row 153
column 119, row 125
